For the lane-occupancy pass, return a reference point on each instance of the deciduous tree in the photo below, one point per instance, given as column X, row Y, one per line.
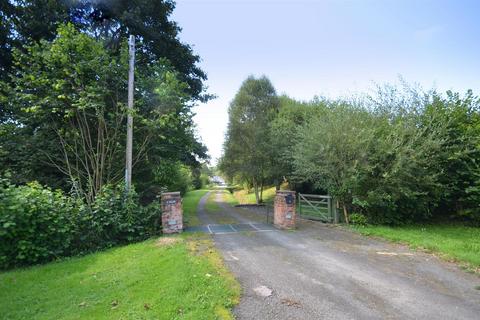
column 247, row 149
column 67, row 101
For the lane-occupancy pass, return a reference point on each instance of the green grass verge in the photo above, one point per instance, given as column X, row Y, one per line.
column 180, row 277
column 245, row 197
column 190, row 203
column 452, row 242
column 227, row 197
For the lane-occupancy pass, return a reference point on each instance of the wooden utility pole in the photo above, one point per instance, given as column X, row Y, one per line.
column 128, row 158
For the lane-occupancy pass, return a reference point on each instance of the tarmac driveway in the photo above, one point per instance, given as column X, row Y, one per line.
column 325, row 272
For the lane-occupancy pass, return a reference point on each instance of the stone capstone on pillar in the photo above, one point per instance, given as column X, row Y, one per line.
column 284, row 213
column 172, row 213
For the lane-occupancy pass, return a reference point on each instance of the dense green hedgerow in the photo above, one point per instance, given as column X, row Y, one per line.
column 38, row 224
column 399, row 156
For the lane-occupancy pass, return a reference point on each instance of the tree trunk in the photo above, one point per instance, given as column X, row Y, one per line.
column 261, row 192
column 255, row 188
column 277, row 184
column 345, row 214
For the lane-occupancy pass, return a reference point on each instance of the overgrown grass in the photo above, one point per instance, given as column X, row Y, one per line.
column 179, row 277
column 227, row 197
column 245, row 197
column 190, row 203
column 452, row 242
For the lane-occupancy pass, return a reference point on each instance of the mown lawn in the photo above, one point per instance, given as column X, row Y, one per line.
column 190, row 203
column 453, row 242
column 181, row 277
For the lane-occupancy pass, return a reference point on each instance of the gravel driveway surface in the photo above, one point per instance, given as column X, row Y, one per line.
column 325, row 272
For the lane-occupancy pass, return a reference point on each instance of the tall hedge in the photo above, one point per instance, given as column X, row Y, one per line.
column 38, row 224
column 401, row 155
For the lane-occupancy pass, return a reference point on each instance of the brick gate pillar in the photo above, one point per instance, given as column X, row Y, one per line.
column 284, row 213
column 172, row 213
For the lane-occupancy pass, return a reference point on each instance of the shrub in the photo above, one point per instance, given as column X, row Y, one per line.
column 358, row 219
column 114, row 218
column 35, row 224
column 39, row 225
column 173, row 176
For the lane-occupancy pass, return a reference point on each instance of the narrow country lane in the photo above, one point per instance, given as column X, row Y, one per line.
column 325, row 272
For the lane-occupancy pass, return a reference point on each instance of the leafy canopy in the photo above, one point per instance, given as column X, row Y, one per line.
column 157, row 36
column 247, row 151
column 66, row 102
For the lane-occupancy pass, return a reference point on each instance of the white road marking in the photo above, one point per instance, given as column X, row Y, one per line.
column 394, row 253
column 230, row 232
column 232, row 256
column 251, row 224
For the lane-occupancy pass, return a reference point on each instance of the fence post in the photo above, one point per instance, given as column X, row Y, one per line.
column 299, row 205
column 335, row 212
column 329, row 208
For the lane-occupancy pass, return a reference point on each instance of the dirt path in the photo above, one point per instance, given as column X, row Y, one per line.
column 323, row 272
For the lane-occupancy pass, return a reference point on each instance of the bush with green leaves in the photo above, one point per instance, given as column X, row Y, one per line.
column 114, row 218
column 358, row 219
column 401, row 156
column 38, row 224
column 173, row 176
column 63, row 113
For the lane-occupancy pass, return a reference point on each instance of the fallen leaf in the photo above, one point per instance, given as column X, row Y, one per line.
column 146, row 306
column 82, row 304
column 291, row 303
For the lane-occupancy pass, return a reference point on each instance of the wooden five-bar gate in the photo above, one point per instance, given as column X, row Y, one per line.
column 317, row 207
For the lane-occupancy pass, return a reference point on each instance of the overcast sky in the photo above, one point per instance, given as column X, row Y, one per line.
column 327, row 48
